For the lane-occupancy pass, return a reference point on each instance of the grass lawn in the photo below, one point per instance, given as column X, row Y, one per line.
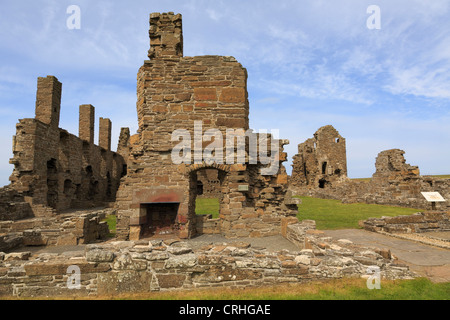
column 336, row 289
column 207, row 206
column 328, row 214
column 333, row 214
column 442, row 176
column 112, row 221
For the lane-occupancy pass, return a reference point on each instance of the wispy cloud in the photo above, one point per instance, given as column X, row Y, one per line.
column 310, row 63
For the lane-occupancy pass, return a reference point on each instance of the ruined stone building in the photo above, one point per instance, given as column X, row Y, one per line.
column 157, row 197
column 394, row 182
column 153, row 195
column 321, row 161
column 54, row 169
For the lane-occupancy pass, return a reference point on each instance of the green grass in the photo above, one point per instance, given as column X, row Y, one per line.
column 112, row 221
column 442, row 176
column 328, row 214
column 207, row 206
column 336, row 289
column 362, row 179
column 333, row 214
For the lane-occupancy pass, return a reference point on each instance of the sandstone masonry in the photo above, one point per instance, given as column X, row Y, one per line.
column 394, row 182
column 144, row 266
column 157, row 197
column 321, row 161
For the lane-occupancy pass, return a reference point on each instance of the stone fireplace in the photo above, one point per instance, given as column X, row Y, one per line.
column 160, row 219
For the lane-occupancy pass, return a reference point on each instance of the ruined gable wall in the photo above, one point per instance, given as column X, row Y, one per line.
column 174, row 92
column 321, row 161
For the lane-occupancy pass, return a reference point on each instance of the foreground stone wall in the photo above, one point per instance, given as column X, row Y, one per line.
column 65, row 229
column 144, row 266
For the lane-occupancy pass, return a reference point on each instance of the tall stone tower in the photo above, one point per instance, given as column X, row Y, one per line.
column 174, row 92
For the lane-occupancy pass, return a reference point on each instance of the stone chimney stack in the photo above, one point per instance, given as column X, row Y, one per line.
column 48, row 100
column 87, row 121
column 166, row 36
column 104, row 134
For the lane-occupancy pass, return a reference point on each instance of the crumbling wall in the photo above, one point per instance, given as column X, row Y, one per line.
column 13, row 205
column 173, row 265
column 208, row 184
column 54, row 169
column 321, row 161
column 416, row 223
column 394, row 182
column 78, row 227
column 179, row 93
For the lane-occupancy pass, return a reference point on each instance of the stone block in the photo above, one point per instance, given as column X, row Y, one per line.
column 205, row 94
column 233, row 95
column 60, row 268
column 167, row 281
column 99, row 255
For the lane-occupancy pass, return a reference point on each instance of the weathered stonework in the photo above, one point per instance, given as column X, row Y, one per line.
column 321, row 162
column 394, row 183
column 54, row 169
column 157, row 197
column 144, row 266
column 416, row 223
column 74, row 228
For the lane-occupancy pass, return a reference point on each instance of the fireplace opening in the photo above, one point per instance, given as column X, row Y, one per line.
column 160, row 219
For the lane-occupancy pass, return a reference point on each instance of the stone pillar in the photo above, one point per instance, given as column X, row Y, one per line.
column 87, row 121
column 166, row 36
column 48, row 100
column 124, row 143
column 104, row 134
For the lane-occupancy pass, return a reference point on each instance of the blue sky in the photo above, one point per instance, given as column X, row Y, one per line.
column 310, row 64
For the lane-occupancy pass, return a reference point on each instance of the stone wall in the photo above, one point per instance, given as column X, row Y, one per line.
column 13, row 205
column 416, row 223
column 196, row 95
column 56, row 169
column 321, row 162
column 144, row 266
column 208, row 184
column 394, row 183
column 64, row 229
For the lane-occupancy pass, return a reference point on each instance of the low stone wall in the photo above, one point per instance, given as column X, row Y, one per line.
column 144, row 266
column 64, row 229
column 206, row 225
column 416, row 223
column 13, row 205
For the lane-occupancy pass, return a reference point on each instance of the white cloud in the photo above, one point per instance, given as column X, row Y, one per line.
column 315, row 55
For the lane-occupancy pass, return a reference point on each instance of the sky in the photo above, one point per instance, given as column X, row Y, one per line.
column 310, row 64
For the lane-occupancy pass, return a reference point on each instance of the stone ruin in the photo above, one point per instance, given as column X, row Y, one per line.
column 56, row 173
column 157, row 197
column 321, row 161
column 319, row 170
column 124, row 267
